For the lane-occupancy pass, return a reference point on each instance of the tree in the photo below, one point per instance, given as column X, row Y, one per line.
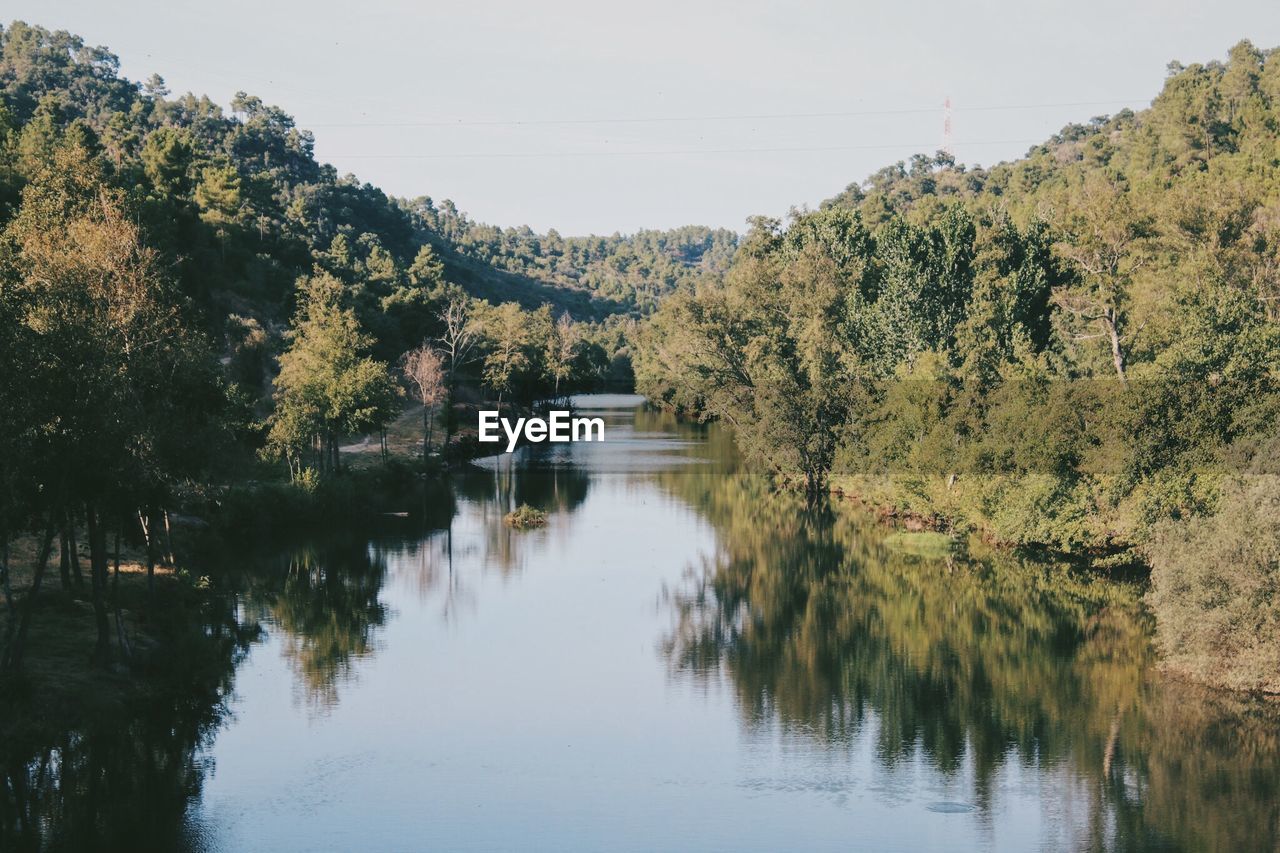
column 220, row 198
column 1105, row 235
column 166, row 158
column 411, row 305
column 423, row 370
column 507, row 337
column 458, row 338
column 328, row 387
column 121, row 396
column 770, row 352
column 560, row 351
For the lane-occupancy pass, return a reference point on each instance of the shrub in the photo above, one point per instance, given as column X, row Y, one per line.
column 1216, row 590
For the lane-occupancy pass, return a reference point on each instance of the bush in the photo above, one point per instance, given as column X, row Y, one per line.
column 1216, row 590
column 525, row 517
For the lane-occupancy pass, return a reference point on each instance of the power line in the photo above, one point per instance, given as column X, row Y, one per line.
column 737, row 117
column 682, row 151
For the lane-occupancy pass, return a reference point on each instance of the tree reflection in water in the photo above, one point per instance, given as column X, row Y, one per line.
column 124, row 778
column 977, row 662
column 324, row 601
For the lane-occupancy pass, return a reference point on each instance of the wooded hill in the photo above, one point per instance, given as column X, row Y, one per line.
column 241, row 207
column 1079, row 349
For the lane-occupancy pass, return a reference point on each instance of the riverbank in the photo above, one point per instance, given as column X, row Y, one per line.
column 162, row 632
column 380, row 474
column 1002, row 512
column 1209, row 580
column 403, row 437
column 161, row 647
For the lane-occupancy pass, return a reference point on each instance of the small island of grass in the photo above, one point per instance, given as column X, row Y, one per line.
column 526, row 517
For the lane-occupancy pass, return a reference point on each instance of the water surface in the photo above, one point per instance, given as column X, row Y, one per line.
column 683, row 660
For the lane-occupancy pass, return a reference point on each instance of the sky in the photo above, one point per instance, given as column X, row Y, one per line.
column 596, row 117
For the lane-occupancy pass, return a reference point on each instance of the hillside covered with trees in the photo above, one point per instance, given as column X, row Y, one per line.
column 183, row 288
column 1078, row 349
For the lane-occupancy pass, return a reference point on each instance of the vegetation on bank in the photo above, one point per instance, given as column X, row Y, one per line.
column 1078, row 349
column 1216, row 589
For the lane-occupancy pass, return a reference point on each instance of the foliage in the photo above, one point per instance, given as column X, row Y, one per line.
column 328, row 386
column 1059, row 350
column 1216, row 588
column 1066, row 350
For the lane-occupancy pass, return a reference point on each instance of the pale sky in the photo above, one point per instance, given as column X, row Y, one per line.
column 425, row 98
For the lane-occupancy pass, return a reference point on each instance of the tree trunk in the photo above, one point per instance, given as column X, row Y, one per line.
column 98, row 586
column 121, row 640
column 1113, row 333
column 64, row 561
column 73, row 550
column 448, row 413
column 147, row 521
column 12, row 661
column 168, row 538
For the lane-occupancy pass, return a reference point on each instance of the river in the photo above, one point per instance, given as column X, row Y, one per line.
column 683, row 660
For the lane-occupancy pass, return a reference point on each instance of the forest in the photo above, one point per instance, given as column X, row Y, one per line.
column 1073, row 351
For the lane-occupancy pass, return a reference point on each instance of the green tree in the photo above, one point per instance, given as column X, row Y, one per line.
column 507, row 338
column 328, row 387
column 1105, row 235
column 167, row 158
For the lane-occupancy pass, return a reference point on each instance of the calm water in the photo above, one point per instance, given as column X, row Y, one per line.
column 680, row 660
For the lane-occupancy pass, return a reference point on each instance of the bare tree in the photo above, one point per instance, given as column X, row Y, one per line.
column 563, row 343
column 456, row 342
column 423, row 370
